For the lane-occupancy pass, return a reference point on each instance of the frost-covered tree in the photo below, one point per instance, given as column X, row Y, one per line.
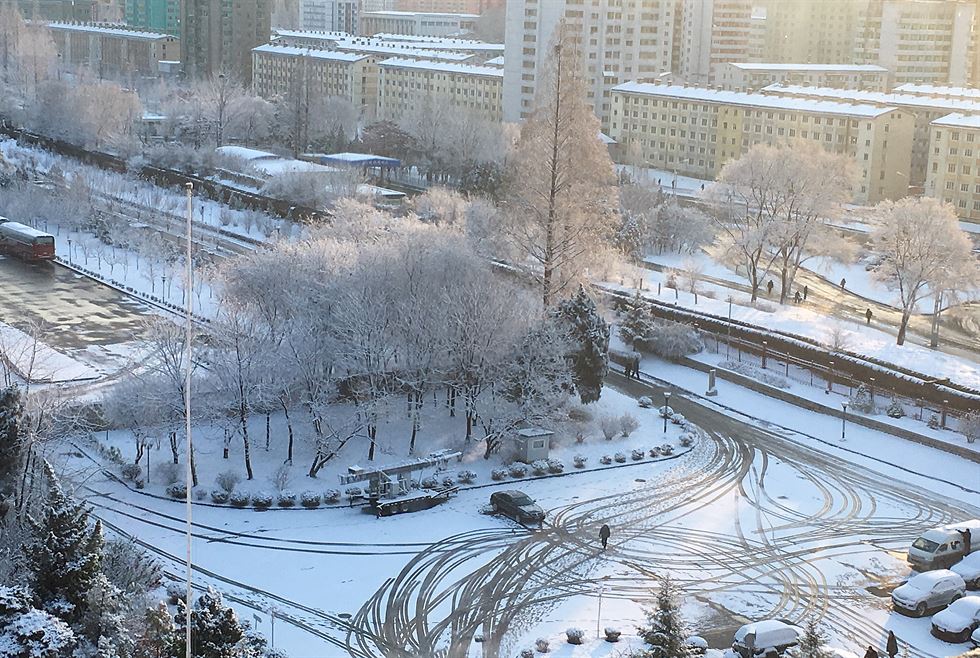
column 589, row 340
column 665, row 631
column 861, row 400
column 63, row 554
column 11, row 441
column 538, row 378
column 156, row 632
column 102, row 623
column 635, row 323
column 970, row 426
column 26, row 632
column 813, row 644
column 918, row 241
column 562, row 195
column 215, row 629
column 129, row 567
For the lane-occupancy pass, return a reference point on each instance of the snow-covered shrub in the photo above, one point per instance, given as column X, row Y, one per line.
column 970, row 426
column 645, row 402
column 580, row 461
column 239, row 498
column 555, row 466
column 331, row 495
column 353, row 492
column 176, row 592
column 665, row 411
column 654, row 451
column 637, row 455
column 861, row 400
column 466, row 476
column 228, row 480
column 498, row 474
column 605, row 459
column 219, row 496
column 677, row 419
column 262, row 500
column 200, row 493
column 280, row 478
column 518, row 470
column 574, row 635
column 579, row 414
column 580, row 437
column 672, row 340
column 666, row 449
column 541, row 645
column 167, row 472
column 628, row 424
column 430, row 482
column 687, row 440
column 286, row 498
column 933, row 422
column 612, row 634
column 697, row 644
column 131, row 471
column 448, row 481
column 309, row 499
column 895, row 409
column 139, row 483
column 177, row 490
column 539, row 467
column 620, row 458
column 527, row 653
column 609, row 426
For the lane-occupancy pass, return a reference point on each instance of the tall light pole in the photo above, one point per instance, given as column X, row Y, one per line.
column 189, row 474
column 666, row 409
column 843, row 420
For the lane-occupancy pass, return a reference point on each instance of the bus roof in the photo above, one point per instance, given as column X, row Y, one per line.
column 24, row 230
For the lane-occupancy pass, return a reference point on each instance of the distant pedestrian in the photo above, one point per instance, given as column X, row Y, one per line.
column 843, row 283
column 604, row 533
column 892, row 645
column 871, row 652
column 797, row 298
column 769, row 286
column 806, row 291
column 867, row 316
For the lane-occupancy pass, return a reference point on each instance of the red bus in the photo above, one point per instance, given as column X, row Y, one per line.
column 25, row 242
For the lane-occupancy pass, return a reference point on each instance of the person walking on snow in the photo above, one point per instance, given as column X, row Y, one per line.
column 892, row 645
column 867, row 315
column 604, row 533
column 843, row 282
column 806, row 291
column 871, row 652
column 797, row 297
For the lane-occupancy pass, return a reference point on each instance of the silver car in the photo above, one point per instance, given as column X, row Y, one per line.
column 924, row 592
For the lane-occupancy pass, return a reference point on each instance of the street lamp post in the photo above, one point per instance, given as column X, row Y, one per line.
column 69, row 251
column 843, row 420
column 666, row 408
column 163, row 288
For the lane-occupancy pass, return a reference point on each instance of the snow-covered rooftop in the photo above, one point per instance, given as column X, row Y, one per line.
column 391, row 13
column 366, row 159
column 936, row 90
column 243, row 153
column 496, row 61
column 448, row 43
column 876, row 97
column 313, row 34
column 828, row 68
column 110, row 30
column 957, row 120
column 703, row 95
column 313, row 53
column 443, row 67
column 286, row 166
column 374, row 46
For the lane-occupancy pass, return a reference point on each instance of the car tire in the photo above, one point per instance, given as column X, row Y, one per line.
column 920, row 610
column 975, row 584
column 956, row 597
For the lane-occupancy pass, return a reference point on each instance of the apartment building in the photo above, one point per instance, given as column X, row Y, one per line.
column 217, row 36
column 155, row 15
column 919, row 41
column 924, row 109
column 712, row 33
column 278, row 69
column 954, row 163
column 379, row 48
column 619, row 41
column 935, row 91
column 113, row 51
column 807, row 30
column 694, row 131
column 329, row 15
column 416, row 22
column 449, row 6
column 746, row 76
column 404, row 84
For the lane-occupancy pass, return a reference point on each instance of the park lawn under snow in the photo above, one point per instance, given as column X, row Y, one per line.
column 28, row 357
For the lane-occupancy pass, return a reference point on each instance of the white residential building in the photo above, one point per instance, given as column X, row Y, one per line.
column 329, row 15
column 406, row 84
column 712, row 33
column 416, row 22
column 751, row 76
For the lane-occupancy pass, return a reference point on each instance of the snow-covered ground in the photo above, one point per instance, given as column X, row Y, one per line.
column 31, row 358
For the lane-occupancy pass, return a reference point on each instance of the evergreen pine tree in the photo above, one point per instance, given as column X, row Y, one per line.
column 27, row 632
column 102, row 622
column 813, row 641
column 666, row 632
column 157, row 633
column 11, row 441
column 861, row 400
column 635, row 324
column 589, row 336
column 63, row 555
column 215, row 629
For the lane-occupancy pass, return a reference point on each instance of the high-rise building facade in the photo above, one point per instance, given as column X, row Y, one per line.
column 448, row 6
column 408, row 84
column 919, row 41
column 954, row 173
column 619, row 40
column 808, row 31
column 712, row 33
column 157, row 15
column 217, row 36
column 329, row 15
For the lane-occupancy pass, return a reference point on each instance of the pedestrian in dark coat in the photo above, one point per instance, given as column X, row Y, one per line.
column 871, row 652
column 806, row 291
column 892, row 645
column 843, row 282
column 797, row 297
column 604, row 533
column 867, row 315
column 769, row 286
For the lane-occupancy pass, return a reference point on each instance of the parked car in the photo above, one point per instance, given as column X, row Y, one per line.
column 765, row 638
column 517, row 505
column 958, row 621
column 975, row 638
column 969, row 569
column 932, row 590
column 942, row 547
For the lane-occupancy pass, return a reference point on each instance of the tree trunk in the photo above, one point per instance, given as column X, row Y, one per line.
column 267, row 433
column 173, row 447
column 934, row 335
column 243, row 416
column 289, row 430
column 904, row 326
column 193, row 469
column 783, row 284
column 415, row 422
column 372, row 432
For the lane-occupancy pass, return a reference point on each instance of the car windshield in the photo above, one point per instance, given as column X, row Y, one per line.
column 922, row 584
column 521, row 500
column 924, row 544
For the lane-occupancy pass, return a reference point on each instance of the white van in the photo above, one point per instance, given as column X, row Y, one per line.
column 943, row 547
column 767, row 637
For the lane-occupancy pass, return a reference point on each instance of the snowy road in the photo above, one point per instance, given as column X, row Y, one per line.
column 752, row 523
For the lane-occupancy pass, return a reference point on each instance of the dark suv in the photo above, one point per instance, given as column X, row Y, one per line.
column 517, row 505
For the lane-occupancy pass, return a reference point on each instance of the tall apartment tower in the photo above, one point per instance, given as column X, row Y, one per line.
column 217, row 36
column 155, row 15
column 809, row 31
column 712, row 33
column 920, row 41
column 329, row 15
column 620, row 40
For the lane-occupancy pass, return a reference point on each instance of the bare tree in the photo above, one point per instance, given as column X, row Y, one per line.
column 562, row 193
column 918, row 242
